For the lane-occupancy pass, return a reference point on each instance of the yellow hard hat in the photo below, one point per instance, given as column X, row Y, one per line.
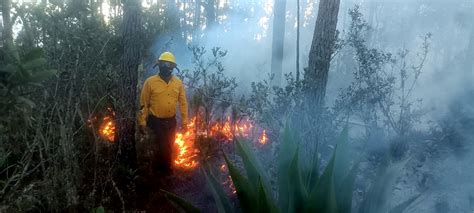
column 167, row 56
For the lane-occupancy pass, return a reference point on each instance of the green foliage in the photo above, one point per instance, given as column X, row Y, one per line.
column 266, row 101
column 247, row 195
column 212, row 89
column 377, row 198
column 381, row 89
column 99, row 209
column 185, row 205
column 222, row 202
column 20, row 78
column 299, row 189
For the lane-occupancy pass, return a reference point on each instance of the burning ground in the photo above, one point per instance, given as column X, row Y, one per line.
column 198, row 144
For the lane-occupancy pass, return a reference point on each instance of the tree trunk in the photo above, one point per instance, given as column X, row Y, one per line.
column 322, row 47
column 469, row 60
column 210, row 13
column 7, row 33
column 197, row 22
column 278, row 39
column 127, row 102
column 2, row 32
column 297, row 40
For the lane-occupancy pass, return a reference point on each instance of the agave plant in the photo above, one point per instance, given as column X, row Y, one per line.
column 301, row 188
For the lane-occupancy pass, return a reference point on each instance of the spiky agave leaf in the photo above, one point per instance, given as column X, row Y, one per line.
column 323, row 196
column 181, row 202
column 342, row 161
column 377, row 197
column 245, row 192
column 298, row 193
column 310, row 172
column 345, row 191
column 252, row 166
column 287, row 151
column 265, row 204
column 220, row 197
column 344, row 175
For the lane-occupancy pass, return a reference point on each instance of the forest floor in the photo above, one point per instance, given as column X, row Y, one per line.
column 188, row 184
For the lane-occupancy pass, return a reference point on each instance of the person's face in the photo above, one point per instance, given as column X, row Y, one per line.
column 166, row 67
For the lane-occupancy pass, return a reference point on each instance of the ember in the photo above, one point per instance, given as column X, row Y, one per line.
column 263, row 138
column 107, row 129
column 228, row 179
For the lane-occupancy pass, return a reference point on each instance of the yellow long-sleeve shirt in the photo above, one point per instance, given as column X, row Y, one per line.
column 160, row 99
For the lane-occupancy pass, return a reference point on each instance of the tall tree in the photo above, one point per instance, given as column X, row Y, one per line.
column 278, row 39
column 469, row 60
column 7, row 33
column 197, row 21
column 210, row 7
column 297, row 40
column 127, row 102
column 322, row 48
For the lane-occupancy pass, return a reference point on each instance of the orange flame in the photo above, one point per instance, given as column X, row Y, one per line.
column 263, row 138
column 107, row 129
column 184, row 144
column 186, row 154
column 228, row 180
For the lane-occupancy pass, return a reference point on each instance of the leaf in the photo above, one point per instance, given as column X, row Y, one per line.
column 404, row 205
column 298, row 193
column 252, row 166
column 99, row 209
column 342, row 162
column 181, row 202
column 33, row 54
column 245, row 192
column 312, row 175
column 220, row 197
column 287, row 151
column 345, row 191
column 264, row 203
column 376, row 199
column 322, row 197
column 37, row 63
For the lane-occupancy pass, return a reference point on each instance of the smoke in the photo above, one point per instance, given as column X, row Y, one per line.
column 247, row 36
column 445, row 85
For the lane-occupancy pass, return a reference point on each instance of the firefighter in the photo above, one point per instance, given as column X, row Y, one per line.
column 159, row 97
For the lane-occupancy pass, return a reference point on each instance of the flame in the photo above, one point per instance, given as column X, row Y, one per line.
column 107, row 129
column 186, row 154
column 184, row 144
column 228, row 130
column 223, row 168
column 230, row 184
column 263, row 138
column 228, row 179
